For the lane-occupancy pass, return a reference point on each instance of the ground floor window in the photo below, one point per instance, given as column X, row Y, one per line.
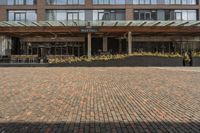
column 166, row 47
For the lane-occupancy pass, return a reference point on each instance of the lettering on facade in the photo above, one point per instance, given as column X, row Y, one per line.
column 88, row 30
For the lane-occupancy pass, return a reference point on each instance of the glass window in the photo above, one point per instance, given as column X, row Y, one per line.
column 120, row 1
column 76, row 2
column 136, row 15
column 120, row 16
column 153, row 15
column 178, row 1
column 192, row 15
column 153, row 1
column 30, row 2
column 167, row 15
column 95, row 1
column 101, row 1
column 108, row 14
column 145, row 15
column 82, row 15
column 167, row 1
column 19, row 2
column 70, row 2
column 106, row 2
column 61, row 2
column 10, row 2
column 178, row 15
column 147, row 2
column 22, row 15
column 142, row 1
column 81, row 2
column 172, row 1
column 184, row 1
column 64, row 2
column 135, row 1
column 31, row 16
column 113, row 2
column 183, row 15
column 63, row 15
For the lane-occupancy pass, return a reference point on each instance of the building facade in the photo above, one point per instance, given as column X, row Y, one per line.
column 90, row 27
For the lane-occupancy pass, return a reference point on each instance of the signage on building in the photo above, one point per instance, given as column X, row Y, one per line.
column 88, row 30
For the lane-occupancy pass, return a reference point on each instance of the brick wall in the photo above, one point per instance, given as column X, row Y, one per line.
column 41, row 7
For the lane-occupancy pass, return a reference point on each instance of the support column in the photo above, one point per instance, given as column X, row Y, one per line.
column 199, row 11
column 129, row 42
column 88, row 3
column 40, row 10
column 5, row 46
column 3, row 13
column 89, row 51
column 105, row 44
column 120, row 45
column 129, row 13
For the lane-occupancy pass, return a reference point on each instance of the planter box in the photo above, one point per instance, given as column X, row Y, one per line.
column 129, row 62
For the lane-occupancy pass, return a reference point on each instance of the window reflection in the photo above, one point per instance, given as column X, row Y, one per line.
column 113, row 2
column 178, row 2
column 22, row 15
column 64, row 15
column 108, row 14
column 65, row 2
column 18, row 2
column 165, row 14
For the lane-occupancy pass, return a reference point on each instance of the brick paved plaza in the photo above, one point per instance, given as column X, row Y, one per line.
column 55, row 100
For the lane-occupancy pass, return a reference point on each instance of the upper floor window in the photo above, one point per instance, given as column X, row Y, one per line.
column 112, row 2
column 63, row 15
column 65, row 2
column 181, row 15
column 165, row 15
column 179, row 2
column 108, row 14
column 145, row 15
column 20, row 2
column 22, row 15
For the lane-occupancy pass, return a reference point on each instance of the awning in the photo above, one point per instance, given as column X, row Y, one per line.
column 100, row 23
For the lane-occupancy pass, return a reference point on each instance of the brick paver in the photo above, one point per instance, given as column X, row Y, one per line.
column 49, row 100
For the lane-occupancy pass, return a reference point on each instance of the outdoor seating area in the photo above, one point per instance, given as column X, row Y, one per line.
column 24, row 59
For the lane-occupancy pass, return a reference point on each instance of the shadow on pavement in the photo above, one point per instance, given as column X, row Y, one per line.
column 92, row 127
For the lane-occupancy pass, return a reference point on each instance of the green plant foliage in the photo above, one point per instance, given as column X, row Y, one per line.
column 70, row 59
column 196, row 54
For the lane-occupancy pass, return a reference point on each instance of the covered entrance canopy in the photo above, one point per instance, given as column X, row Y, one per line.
column 82, row 33
column 101, row 26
